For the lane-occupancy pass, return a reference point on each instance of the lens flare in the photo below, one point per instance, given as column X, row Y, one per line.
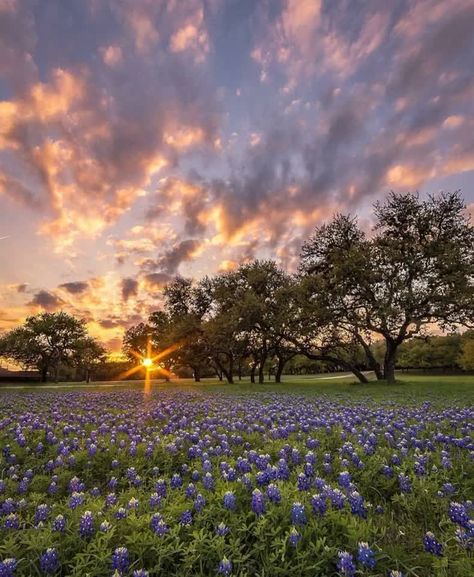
column 147, row 362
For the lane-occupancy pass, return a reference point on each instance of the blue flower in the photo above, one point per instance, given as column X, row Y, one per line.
column 273, row 493
column 222, row 529
column 458, row 514
column 366, row 556
column 258, row 503
column 59, row 524
column 186, row 518
column 49, row 561
column 7, row 567
column 318, row 504
column 295, row 537
column 432, row 545
column 346, row 565
column 298, row 514
column 225, row 567
column 230, row 501
column 121, row 560
column 86, row 525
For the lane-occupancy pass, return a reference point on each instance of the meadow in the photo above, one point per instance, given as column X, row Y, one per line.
column 311, row 477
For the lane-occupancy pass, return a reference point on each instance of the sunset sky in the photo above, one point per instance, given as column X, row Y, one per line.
column 144, row 138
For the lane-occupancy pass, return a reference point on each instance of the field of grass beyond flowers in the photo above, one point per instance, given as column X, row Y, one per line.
column 304, row 479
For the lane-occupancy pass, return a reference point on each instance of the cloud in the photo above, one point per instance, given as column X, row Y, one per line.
column 129, row 288
column 75, row 287
column 85, row 141
column 46, row 300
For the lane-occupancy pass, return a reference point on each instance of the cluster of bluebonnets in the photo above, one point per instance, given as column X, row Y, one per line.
column 183, row 483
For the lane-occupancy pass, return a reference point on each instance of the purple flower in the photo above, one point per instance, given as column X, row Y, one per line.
column 140, row 573
column 458, row 514
column 258, row 503
column 199, row 503
column 230, row 501
column 225, row 567
column 298, row 514
column 155, row 500
column 295, row 537
column 318, row 503
column 186, row 518
column 86, row 525
column 344, row 479
column 273, row 493
column 59, row 524
column 120, row 560
column 41, row 514
column 366, row 556
column 404, row 483
column 7, row 567
column 432, row 545
column 346, row 565
column 11, row 521
column 222, row 529
column 49, row 561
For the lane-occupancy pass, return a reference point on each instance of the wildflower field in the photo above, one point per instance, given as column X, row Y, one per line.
column 207, row 482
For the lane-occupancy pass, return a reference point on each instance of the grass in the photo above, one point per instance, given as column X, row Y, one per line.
column 409, row 387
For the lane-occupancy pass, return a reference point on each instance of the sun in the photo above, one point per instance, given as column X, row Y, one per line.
column 147, row 362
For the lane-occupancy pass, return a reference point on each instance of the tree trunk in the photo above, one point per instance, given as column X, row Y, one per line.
column 389, row 362
column 279, row 370
column 88, row 376
column 253, row 368
column 44, row 374
column 372, row 362
column 359, row 374
column 197, row 375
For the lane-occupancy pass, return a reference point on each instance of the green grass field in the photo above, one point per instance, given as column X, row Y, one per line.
column 416, row 387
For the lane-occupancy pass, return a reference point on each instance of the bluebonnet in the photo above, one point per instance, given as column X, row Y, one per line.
column 230, row 501
column 356, row 502
column 273, row 493
column 121, row 513
column 154, row 500
column 318, row 504
column 86, row 525
column 304, row 482
column 176, row 481
column 140, row 573
column 75, row 500
column 59, row 524
column 49, row 561
column 121, row 560
column 258, row 503
column 225, row 567
column 346, row 565
column 222, row 529
column 432, row 545
column 7, row 567
column 11, row 521
column 458, row 514
column 298, row 514
column 199, row 502
column 366, row 556
column 105, row 527
column 186, row 518
column 41, row 513
column 295, row 537
column 344, row 479
column 404, row 483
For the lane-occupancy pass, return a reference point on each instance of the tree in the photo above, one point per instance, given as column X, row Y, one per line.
column 88, row 354
column 416, row 270
column 44, row 342
column 466, row 358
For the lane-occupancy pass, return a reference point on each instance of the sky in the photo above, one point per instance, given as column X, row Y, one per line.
column 140, row 139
